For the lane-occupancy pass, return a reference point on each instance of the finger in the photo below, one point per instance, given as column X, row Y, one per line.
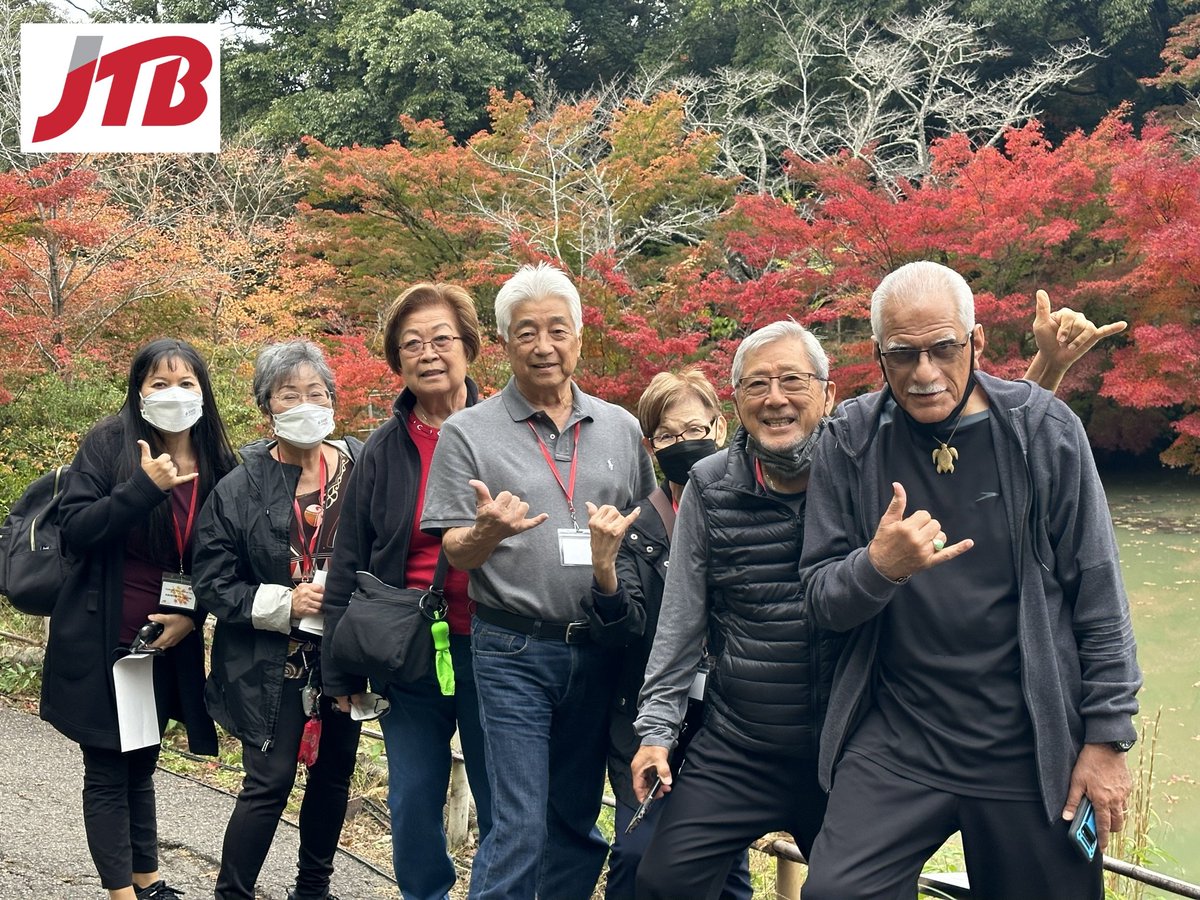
column 591, row 509
column 895, row 509
column 632, row 517
column 1110, row 330
column 145, row 451
column 952, row 552
column 184, row 479
column 526, row 524
column 482, row 495
column 1069, row 323
column 1041, row 312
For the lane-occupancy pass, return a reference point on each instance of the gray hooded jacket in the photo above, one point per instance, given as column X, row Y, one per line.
column 1079, row 672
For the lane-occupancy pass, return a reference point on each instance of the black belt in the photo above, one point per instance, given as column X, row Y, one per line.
column 568, row 632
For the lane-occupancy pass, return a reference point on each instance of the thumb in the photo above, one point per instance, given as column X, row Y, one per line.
column 1041, row 314
column 895, row 509
column 145, row 451
column 482, row 494
column 590, row 507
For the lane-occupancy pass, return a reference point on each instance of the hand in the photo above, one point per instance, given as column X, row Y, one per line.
column 162, row 469
column 1065, row 335
column 175, row 628
column 902, row 547
column 502, row 517
column 1103, row 774
column 648, row 762
column 307, row 599
column 343, row 703
column 608, row 528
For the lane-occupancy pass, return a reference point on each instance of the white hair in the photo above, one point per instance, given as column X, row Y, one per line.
column 779, row 331
column 536, row 283
column 919, row 281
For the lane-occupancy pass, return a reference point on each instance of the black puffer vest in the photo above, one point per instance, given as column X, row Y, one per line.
column 770, row 688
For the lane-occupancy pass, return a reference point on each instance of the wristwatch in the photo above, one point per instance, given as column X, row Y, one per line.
column 1122, row 746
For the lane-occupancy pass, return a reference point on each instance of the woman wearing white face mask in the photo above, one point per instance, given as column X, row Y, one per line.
column 129, row 510
column 265, row 539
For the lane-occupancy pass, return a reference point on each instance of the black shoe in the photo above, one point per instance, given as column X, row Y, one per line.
column 160, row 890
column 292, row 895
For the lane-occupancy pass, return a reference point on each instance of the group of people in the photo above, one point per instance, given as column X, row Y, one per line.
column 869, row 628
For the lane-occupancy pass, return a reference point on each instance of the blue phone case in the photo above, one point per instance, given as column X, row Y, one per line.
column 1083, row 829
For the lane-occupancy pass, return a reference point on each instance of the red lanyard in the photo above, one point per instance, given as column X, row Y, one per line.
column 568, row 489
column 182, row 537
column 308, row 555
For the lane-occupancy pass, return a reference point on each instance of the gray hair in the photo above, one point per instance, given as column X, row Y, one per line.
column 276, row 362
column 536, row 283
column 917, row 281
column 779, row 331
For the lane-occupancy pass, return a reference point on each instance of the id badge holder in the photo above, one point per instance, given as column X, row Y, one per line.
column 574, row 547
column 176, row 594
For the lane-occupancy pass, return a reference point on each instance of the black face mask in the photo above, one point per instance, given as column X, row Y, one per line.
column 677, row 460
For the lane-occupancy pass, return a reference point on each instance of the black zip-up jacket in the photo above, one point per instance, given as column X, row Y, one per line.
column 375, row 527
column 98, row 513
column 242, row 556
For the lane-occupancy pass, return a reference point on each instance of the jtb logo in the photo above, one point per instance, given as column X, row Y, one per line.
column 178, row 101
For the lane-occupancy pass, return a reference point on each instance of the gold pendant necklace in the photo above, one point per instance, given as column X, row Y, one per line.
column 945, row 455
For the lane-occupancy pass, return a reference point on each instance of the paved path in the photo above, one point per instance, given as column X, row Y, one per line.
column 43, row 851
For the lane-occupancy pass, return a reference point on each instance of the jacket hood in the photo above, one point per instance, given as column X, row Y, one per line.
column 256, row 455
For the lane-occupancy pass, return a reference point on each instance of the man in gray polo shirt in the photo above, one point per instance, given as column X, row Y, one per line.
column 541, row 446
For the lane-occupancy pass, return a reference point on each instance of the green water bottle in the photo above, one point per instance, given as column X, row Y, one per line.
column 443, row 665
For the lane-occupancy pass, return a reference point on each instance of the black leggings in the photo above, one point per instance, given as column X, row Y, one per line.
column 118, row 813
column 269, row 780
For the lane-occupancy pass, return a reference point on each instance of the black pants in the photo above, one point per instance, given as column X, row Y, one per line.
column 724, row 798
column 118, row 813
column 269, row 779
column 881, row 828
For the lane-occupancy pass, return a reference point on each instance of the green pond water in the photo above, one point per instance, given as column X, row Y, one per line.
column 1157, row 518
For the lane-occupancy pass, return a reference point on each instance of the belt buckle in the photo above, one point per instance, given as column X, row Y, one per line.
column 577, row 632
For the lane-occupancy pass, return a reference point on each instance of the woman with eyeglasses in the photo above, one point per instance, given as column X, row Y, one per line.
column 264, row 542
column 431, row 335
column 128, row 511
column 681, row 421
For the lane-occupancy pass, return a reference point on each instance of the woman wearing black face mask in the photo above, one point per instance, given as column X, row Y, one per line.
column 682, row 423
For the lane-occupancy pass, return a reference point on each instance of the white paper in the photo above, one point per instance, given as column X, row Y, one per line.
column 137, row 713
column 314, row 624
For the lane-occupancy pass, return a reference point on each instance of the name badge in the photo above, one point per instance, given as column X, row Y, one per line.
column 176, row 594
column 574, row 547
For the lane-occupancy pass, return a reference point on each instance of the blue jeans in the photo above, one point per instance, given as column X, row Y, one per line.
column 416, row 733
column 544, row 710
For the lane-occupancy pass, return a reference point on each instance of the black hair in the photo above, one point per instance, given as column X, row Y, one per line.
column 214, row 454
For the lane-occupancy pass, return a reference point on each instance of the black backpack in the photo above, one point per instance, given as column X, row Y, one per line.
column 34, row 564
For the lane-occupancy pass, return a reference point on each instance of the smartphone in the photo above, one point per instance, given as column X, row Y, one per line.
column 1083, row 830
column 645, row 805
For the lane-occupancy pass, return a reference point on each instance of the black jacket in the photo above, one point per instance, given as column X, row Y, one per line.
column 242, row 546
column 770, row 686
column 97, row 515
column 376, row 525
column 626, row 621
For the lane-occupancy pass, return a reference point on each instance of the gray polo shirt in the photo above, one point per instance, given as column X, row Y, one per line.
column 493, row 443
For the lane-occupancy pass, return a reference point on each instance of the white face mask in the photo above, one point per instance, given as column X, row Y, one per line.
column 304, row 426
column 172, row 409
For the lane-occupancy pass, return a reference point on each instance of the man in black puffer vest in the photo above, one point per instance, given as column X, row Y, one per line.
column 733, row 580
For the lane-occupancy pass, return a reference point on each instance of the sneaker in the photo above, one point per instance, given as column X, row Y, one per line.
column 160, row 890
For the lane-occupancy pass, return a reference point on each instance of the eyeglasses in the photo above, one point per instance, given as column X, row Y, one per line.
column 940, row 354
column 691, row 433
column 441, row 344
column 294, row 398
column 791, row 383
column 527, row 336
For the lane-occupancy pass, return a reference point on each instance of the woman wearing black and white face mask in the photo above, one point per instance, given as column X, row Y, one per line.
column 129, row 510
column 266, row 537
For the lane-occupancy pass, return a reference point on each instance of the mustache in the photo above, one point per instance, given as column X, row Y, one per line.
column 924, row 389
